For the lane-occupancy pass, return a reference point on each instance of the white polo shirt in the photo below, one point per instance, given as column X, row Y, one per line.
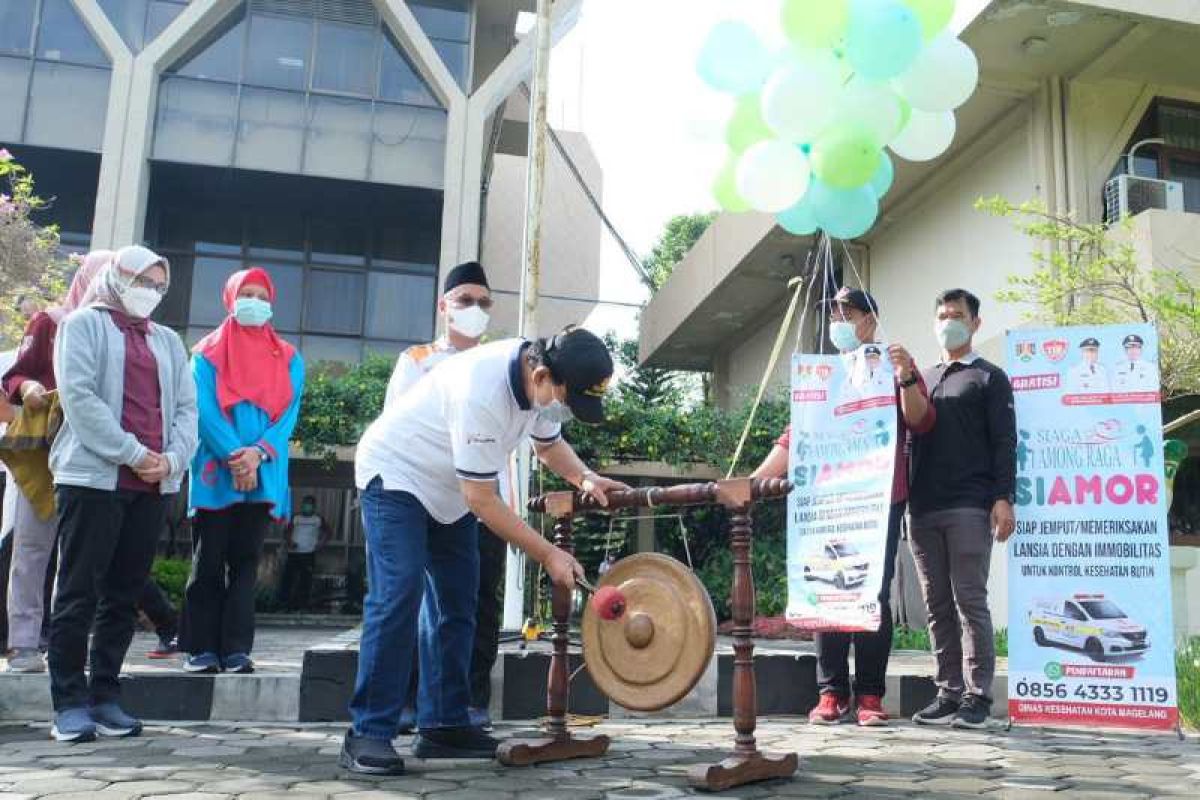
column 460, row 422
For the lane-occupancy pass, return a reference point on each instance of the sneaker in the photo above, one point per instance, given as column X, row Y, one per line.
column 939, row 712
column 73, row 725
column 112, row 721
column 26, row 660
column 408, row 721
column 369, row 756
column 832, row 709
column 238, row 663
column 973, row 713
column 480, row 718
column 167, row 647
column 454, row 743
column 206, row 663
column 870, row 711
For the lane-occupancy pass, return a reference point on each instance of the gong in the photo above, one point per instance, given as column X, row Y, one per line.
column 655, row 652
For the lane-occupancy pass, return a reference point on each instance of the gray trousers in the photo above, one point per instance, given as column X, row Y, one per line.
column 33, row 544
column 953, row 551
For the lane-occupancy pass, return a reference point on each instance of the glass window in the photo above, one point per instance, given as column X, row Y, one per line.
column 67, row 106
column 1187, row 171
column 16, row 26
column 334, row 302
column 443, row 19
column 129, row 18
column 339, row 137
column 210, row 230
column 276, row 234
column 219, row 56
column 161, row 14
column 193, row 335
column 208, row 283
column 409, row 146
column 64, row 37
column 384, row 348
column 195, row 121
column 339, row 241
column 456, row 56
column 14, row 85
column 174, row 308
column 289, row 295
column 278, row 54
column 398, row 79
column 270, row 130
column 400, row 306
column 346, row 58
column 316, row 349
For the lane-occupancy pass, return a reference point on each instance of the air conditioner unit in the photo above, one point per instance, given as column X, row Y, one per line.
column 1127, row 195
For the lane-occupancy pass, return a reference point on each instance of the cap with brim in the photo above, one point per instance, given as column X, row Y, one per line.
column 1133, row 339
column 855, row 298
column 580, row 360
column 1089, row 343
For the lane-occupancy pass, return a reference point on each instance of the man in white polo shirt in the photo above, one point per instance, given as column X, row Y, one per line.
column 427, row 470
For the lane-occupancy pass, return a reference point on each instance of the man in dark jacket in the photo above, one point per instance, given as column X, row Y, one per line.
column 964, row 478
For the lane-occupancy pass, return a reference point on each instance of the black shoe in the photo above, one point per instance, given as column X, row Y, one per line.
column 973, row 713
column 939, row 712
column 455, row 743
column 369, row 756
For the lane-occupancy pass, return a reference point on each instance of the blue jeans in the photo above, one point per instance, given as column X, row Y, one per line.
column 411, row 556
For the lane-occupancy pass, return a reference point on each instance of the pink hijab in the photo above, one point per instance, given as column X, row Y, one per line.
column 92, row 263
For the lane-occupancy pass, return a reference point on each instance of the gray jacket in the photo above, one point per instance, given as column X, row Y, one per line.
column 89, row 366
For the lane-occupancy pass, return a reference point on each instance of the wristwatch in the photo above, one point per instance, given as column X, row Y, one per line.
column 262, row 453
column 911, row 381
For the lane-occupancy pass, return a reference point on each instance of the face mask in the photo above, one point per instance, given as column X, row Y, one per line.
column 307, row 510
column 139, row 301
column 555, row 412
column 952, row 333
column 471, row 321
column 252, row 312
column 843, row 336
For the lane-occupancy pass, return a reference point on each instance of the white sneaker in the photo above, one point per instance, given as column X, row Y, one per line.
column 26, row 660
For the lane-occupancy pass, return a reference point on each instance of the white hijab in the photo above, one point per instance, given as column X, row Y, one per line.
column 119, row 273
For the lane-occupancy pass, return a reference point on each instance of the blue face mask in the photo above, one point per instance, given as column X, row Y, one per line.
column 252, row 312
column 843, row 336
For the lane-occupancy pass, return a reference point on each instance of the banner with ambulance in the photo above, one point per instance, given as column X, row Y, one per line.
column 1090, row 633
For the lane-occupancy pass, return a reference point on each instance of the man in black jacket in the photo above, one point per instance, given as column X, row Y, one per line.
column 964, row 478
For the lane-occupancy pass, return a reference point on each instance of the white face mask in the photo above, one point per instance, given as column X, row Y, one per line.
column 555, row 411
column 844, row 336
column 139, row 301
column 471, row 321
column 952, row 333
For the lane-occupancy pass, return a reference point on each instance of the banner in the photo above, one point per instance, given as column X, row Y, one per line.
column 1089, row 578
column 842, row 457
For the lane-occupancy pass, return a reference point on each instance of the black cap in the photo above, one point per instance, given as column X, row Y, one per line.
column 1132, row 339
column 470, row 272
column 579, row 359
column 855, row 298
column 1089, row 342
column 872, row 350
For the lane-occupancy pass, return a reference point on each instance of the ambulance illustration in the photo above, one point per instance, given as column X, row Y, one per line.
column 839, row 562
column 1091, row 623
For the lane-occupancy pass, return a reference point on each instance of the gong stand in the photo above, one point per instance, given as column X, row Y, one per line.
column 747, row 764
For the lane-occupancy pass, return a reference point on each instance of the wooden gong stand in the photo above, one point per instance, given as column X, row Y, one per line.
column 747, row 764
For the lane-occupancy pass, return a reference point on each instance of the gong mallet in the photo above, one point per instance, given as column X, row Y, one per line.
column 607, row 601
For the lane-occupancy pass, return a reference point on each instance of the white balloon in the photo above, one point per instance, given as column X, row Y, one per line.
column 800, row 98
column 873, row 105
column 926, row 136
column 773, row 176
column 942, row 78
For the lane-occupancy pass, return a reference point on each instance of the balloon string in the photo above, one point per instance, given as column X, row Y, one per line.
column 881, row 331
column 810, row 273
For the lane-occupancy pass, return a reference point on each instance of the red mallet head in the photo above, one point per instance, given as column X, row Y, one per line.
column 609, row 603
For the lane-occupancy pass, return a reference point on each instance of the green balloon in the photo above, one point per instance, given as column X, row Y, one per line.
column 815, row 24
column 845, row 156
column 905, row 113
column 934, row 15
column 746, row 127
column 725, row 188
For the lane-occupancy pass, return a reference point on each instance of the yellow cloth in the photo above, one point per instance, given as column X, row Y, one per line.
column 25, row 450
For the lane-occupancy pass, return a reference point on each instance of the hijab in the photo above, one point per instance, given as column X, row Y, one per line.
column 92, row 263
column 117, row 277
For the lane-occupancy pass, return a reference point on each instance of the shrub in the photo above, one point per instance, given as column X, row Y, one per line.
column 172, row 575
column 1187, row 676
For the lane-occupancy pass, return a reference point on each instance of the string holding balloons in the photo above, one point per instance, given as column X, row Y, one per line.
column 812, row 125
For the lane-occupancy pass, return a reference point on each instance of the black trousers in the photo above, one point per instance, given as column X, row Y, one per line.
column 157, row 607
column 219, row 599
column 295, row 587
column 871, row 650
column 106, row 541
column 6, row 548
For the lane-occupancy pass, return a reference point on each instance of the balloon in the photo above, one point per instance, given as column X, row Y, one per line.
column 800, row 219
column 772, row 176
column 881, row 181
column 883, row 39
column 817, row 25
column 725, row 189
column 800, row 97
column 746, row 127
column 845, row 156
column 873, row 105
column 943, row 76
column 932, row 14
column 733, row 59
column 844, row 213
column 927, row 135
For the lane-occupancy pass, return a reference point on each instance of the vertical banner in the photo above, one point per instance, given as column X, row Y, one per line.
column 842, row 457
column 1089, row 578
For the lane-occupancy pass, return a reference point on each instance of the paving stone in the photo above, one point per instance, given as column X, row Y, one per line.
column 189, row 796
column 644, row 793
column 473, row 794
column 209, row 751
column 281, row 795
column 326, row 788
column 15, row 796
column 132, row 790
column 379, row 794
column 39, row 786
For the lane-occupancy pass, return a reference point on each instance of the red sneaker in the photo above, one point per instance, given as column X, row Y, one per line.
column 870, row 711
column 832, row 709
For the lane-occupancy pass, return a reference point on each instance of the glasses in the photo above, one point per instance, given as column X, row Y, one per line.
column 141, row 282
column 466, row 301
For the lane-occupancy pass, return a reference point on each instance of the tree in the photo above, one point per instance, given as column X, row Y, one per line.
column 1087, row 274
column 29, row 261
column 679, row 236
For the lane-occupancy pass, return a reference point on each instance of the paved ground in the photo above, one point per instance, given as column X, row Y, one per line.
column 276, row 649
column 648, row 760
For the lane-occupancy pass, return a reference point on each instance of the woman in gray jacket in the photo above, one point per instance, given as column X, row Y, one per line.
column 129, row 432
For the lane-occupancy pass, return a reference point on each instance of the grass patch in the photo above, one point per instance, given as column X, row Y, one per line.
column 911, row 639
column 1187, row 676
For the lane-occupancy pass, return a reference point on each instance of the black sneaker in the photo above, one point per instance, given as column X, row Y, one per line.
column 369, row 756
column 973, row 713
column 939, row 712
column 455, row 743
